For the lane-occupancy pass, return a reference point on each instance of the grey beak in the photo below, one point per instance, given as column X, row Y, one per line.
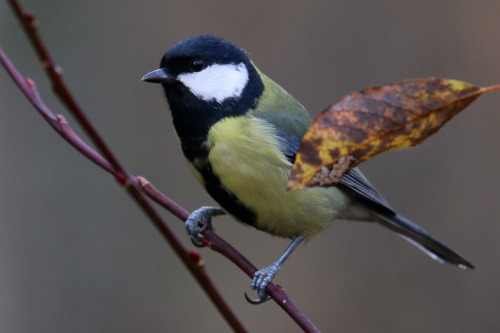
column 157, row 76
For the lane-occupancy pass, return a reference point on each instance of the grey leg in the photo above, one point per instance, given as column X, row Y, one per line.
column 264, row 276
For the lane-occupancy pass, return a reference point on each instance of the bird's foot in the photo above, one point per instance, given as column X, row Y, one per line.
column 199, row 221
column 260, row 281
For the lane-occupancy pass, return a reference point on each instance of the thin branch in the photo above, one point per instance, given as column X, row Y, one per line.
column 30, row 25
column 110, row 162
column 191, row 259
column 130, row 183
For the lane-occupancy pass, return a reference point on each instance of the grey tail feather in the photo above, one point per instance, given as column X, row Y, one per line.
column 422, row 239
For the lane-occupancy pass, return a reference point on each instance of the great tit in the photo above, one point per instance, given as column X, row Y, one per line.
column 240, row 131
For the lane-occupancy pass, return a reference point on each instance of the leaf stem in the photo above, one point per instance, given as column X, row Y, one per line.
column 490, row 88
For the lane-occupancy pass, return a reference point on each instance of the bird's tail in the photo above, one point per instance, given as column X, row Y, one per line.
column 422, row 239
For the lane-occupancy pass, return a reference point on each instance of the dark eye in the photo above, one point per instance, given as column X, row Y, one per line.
column 197, row 65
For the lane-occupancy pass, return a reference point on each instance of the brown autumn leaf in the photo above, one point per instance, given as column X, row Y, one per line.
column 378, row 119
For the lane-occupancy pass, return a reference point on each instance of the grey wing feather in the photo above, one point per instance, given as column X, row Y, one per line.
column 355, row 182
column 290, row 145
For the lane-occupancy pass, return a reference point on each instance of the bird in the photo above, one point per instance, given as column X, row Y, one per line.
column 240, row 132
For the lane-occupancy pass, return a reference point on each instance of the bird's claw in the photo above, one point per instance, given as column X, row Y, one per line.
column 194, row 228
column 258, row 300
column 196, row 240
column 199, row 221
column 260, row 281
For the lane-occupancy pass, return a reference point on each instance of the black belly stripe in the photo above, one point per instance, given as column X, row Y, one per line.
column 226, row 198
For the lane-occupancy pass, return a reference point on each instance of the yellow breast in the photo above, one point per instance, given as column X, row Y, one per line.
column 245, row 155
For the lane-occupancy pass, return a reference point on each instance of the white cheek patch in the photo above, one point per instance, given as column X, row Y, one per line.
column 217, row 82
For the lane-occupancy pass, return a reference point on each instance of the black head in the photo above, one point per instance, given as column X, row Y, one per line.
column 206, row 78
column 196, row 53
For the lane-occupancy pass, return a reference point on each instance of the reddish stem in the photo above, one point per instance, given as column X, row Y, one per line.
column 60, row 125
column 111, row 164
column 490, row 88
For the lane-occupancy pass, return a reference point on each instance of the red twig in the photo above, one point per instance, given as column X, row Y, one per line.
column 111, row 164
column 190, row 259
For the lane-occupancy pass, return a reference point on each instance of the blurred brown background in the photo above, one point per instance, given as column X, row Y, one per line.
column 76, row 255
